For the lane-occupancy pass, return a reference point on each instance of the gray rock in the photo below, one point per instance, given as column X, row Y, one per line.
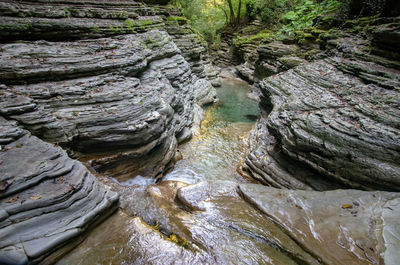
column 223, row 222
column 246, row 72
column 73, row 20
column 349, row 223
column 329, row 124
column 116, row 84
column 274, row 58
column 291, row 61
column 47, row 202
column 131, row 93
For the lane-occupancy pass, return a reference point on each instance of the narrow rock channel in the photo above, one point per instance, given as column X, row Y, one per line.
column 122, row 142
column 165, row 211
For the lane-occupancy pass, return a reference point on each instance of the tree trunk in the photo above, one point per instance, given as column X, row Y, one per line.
column 238, row 12
column 232, row 14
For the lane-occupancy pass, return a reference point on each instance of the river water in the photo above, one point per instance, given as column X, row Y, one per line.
column 214, row 225
column 216, row 150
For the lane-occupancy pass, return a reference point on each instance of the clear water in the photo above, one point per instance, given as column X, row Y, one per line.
column 235, row 106
column 216, row 151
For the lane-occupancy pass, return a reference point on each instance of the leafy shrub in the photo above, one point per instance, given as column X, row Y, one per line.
column 270, row 11
column 305, row 15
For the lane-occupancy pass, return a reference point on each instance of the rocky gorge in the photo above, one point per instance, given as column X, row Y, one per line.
column 336, row 119
column 98, row 96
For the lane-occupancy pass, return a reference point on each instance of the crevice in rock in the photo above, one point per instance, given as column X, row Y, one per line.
column 297, row 259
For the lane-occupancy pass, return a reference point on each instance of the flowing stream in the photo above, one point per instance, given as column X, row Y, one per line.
column 216, row 150
column 228, row 230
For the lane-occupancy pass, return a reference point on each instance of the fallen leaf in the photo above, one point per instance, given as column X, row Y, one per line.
column 1, row 161
column 12, row 199
column 60, row 180
column 347, row 206
column 36, row 197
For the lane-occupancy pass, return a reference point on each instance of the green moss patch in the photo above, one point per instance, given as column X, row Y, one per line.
column 263, row 36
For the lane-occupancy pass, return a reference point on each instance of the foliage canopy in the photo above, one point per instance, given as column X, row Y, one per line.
column 282, row 16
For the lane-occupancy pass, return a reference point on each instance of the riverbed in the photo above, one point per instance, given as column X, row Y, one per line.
column 168, row 223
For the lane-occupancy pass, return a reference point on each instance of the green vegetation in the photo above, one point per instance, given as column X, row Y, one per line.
column 283, row 17
column 253, row 22
column 179, row 20
column 180, row 241
column 307, row 14
column 260, row 37
column 210, row 16
column 133, row 25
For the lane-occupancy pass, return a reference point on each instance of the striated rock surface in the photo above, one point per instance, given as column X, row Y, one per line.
column 46, row 199
column 113, row 99
column 116, row 84
column 334, row 122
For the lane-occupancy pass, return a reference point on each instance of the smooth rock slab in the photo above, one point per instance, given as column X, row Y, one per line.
column 338, row 227
column 223, row 222
column 227, row 230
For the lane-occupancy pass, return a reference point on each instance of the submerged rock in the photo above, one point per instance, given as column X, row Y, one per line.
column 223, row 222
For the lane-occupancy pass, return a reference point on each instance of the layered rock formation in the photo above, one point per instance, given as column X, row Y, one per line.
column 114, row 83
column 46, row 199
column 121, row 96
column 334, row 122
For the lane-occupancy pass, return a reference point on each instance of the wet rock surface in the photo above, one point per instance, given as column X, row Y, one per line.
column 120, row 84
column 347, row 226
column 331, row 123
column 223, row 222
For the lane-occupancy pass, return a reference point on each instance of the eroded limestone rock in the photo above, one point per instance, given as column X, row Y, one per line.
column 331, row 123
column 104, row 80
column 46, row 198
column 114, row 100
